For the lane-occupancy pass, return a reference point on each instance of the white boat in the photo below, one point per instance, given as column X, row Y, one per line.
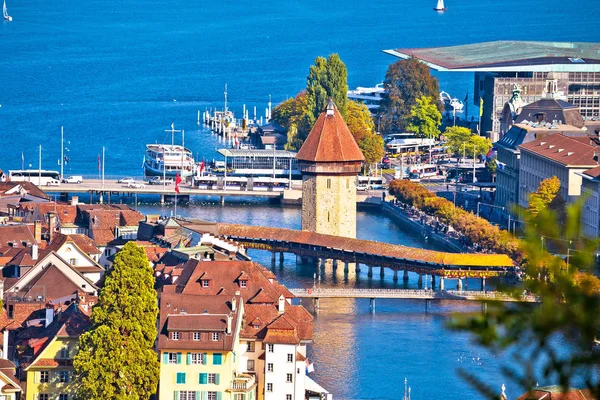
column 440, row 6
column 451, row 103
column 370, row 96
column 168, row 160
column 5, row 12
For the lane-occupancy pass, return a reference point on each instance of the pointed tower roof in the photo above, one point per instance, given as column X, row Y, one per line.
column 330, row 140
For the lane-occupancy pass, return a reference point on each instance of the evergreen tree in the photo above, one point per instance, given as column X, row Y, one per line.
column 425, row 118
column 405, row 81
column 327, row 79
column 116, row 359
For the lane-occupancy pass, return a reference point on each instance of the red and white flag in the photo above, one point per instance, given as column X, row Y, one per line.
column 177, row 182
column 202, row 167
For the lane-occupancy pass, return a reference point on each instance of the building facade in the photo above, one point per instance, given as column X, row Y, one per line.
column 590, row 214
column 330, row 160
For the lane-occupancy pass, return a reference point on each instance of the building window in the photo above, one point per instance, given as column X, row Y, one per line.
column 243, row 284
column 288, row 397
column 250, row 347
column 328, row 183
column 196, row 336
column 107, row 253
column 250, row 366
column 290, row 357
column 43, row 396
column 212, row 396
column 44, row 376
column 181, row 378
column 63, row 376
column 237, row 396
column 175, row 336
column 187, row 395
column 197, row 358
column 217, row 358
column 64, row 352
column 288, row 378
column 270, row 367
column 269, row 387
column 73, row 261
column 63, row 396
column 212, row 378
column 172, row 358
column 205, row 283
column 215, row 336
column 271, row 348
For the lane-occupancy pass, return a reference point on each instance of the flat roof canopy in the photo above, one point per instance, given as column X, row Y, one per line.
column 256, row 153
column 509, row 56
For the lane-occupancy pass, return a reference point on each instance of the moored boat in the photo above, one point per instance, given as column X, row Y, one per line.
column 5, row 12
column 168, row 160
column 440, row 6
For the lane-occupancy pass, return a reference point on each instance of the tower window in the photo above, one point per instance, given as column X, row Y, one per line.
column 327, row 216
column 328, row 183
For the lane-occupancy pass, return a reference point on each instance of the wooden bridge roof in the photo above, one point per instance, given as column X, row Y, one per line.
column 365, row 246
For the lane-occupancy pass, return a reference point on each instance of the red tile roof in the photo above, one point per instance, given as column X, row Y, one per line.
column 564, row 150
column 103, row 236
column 16, row 234
column 29, row 187
column 330, row 140
column 85, row 243
column 593, row 172
column 556, row 393
column 65, row 213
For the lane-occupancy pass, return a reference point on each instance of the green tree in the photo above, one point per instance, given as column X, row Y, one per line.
column 116, row 359
column 544, row 195
column 360, row 123
column 461, row 140
column 371, row 146
column 531, row 335
column 425, row 118
column 405, row 81
column 327, row 79
column 292, row 114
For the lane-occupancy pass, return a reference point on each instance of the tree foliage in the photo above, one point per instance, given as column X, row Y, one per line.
column 361, row 126
column 460, row 139
column 425, row 118
column 116, row 359
column 544, row 195
column 327, row 79
column 292, row 114
column 568, row 311
column 405, row 82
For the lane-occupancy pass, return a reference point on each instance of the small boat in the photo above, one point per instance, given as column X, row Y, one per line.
column 440, row 6
column 451, row 103
column 370, row 96
column 5, row 12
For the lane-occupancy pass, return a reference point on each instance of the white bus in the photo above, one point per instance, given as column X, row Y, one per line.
column 369, row 183
column 35, row 176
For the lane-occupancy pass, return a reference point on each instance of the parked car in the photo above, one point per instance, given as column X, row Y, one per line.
column 157, row 180
column 73, row 179
column 53, row 182
column 126, row 180
column 136, row 185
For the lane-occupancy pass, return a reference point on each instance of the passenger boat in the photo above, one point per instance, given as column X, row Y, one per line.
column 370, row 96
column 168, row 160
column 451, row 103
column 5, row 12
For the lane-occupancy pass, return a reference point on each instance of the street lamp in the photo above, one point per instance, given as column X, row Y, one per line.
column 487, row 204
column 568, row 254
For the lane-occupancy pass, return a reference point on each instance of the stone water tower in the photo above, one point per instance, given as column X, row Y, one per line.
column 329, row 161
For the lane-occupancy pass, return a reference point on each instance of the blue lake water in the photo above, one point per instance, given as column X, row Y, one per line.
column 117, row 75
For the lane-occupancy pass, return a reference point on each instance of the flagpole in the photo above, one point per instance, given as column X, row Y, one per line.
column 40, row 168
column 62, row 152
column 103, row 168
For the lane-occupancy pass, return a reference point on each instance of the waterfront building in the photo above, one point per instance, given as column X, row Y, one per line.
column 46, row 354
column 572, row 68
column 260, row 162
column 199, row 348
column 330, row 161
column 509, row 154
column 556, row 155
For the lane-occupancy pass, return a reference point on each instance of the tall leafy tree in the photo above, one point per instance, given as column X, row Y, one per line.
column 361, row 126
column 425, row 118
column 116, row 359
column 293, row 115
column 327, row 78
column 461, row 140
column 405, row 81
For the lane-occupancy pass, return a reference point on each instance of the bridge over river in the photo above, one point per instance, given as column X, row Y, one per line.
column 336, row 249
column 426, row 294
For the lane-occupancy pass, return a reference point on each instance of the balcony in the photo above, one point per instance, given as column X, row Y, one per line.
column 243, row 382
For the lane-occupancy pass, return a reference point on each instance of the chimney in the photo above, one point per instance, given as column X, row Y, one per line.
column 34, row 252
column 51, row 225
column 229, row 321
column 49, row 315
column 37, row 231
column 281, row 305
column 233, row 304
column 5, row 344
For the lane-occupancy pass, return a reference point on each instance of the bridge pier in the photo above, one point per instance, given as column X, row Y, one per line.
column 273, row 258
column 370, row 273
column 372, row 305
column 222, row 200
column 316, row 305
column 420, row 281
column 357, row 268
column 281, row 257
column 335, row 264
column 395, row 275
column 466, row 283
column 381, row 272
column 432, row 282
column 442, row 284
column 483, row 284
column 459, row 284
column 427, row 305
column 346, row 267
column 405, row 276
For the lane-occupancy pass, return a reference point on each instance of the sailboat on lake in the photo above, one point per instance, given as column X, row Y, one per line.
column 440, row 6
column 5, row 12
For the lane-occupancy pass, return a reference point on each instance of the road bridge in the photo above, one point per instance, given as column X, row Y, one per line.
column 337, row 249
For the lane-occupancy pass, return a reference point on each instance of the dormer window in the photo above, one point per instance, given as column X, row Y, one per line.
column 175, row 335
column 215, row 336
column 205, row 284
column 243, row 284
column 196, row 336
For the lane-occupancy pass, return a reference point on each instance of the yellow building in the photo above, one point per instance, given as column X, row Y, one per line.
column 199, row 348
column 50, row 372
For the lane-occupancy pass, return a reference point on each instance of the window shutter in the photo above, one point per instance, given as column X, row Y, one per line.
column 205, row 358
column 166, row 358
column 178, row 358
column 217, row 379
column 217, row 358
column 219, row 396
column 204, row 396
column 36, row 376
column 197, row 396
column 203, row 378
column 189, row 358
column 176, row 395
